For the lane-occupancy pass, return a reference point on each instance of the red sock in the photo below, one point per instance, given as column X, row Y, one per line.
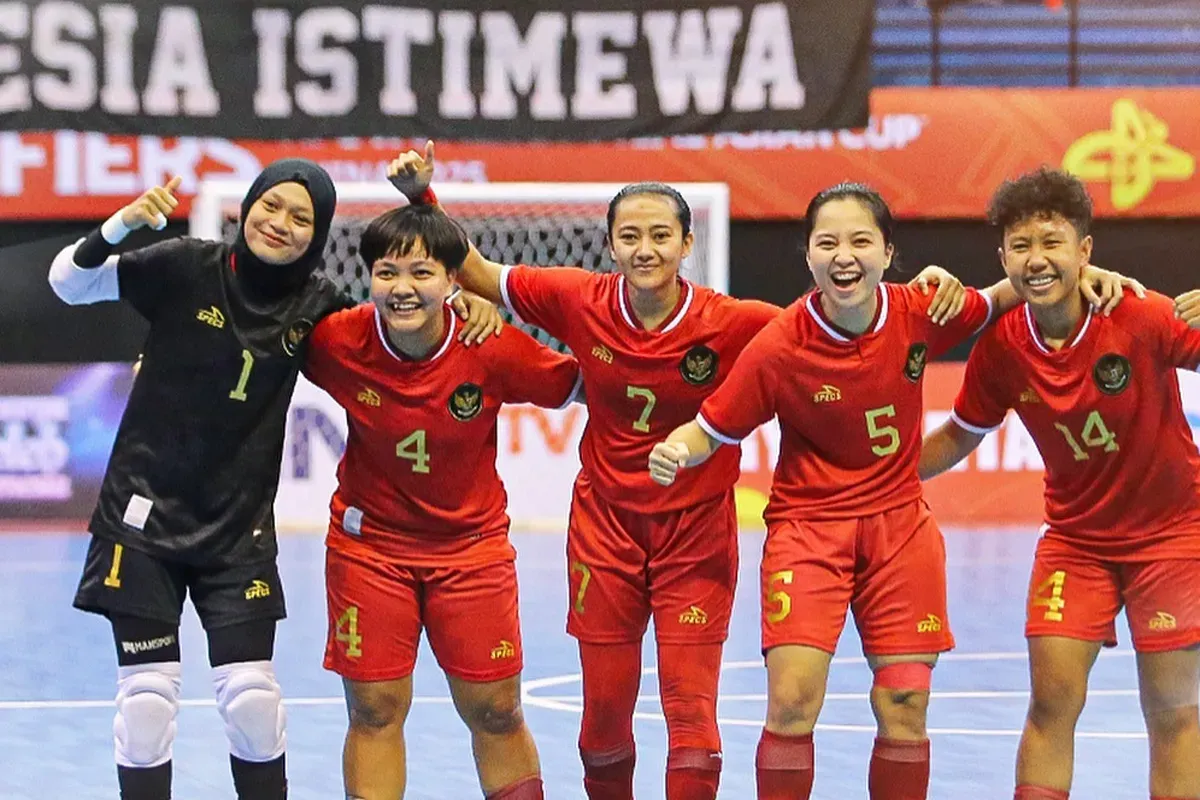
column 608, row 779
column 1164, row 797
column 1027, row 792
column 612, row 675
column 899, row 770
column 693, row 773
column 687, row 678
column 525, row 789
column 784, row 766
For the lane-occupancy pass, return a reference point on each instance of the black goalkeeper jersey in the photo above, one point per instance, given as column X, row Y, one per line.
column 195, row 466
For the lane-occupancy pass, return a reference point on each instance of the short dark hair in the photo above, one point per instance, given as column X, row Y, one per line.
column 1040, row 194
column 402, row 230
column 683, row 212
column 868, row 197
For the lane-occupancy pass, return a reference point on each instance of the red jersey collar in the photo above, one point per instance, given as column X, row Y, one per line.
column 387, row 345
column 837, row 334
column 1040, row 343
column 681, row 307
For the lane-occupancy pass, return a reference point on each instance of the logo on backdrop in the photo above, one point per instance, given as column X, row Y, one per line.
column 1132, row 156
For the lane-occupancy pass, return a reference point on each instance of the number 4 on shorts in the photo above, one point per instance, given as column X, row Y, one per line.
column 350, row 637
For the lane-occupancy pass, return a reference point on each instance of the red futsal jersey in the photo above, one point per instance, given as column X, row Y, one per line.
column 1122, row 471
column 849, row 407
column 640, row 384
column 418, row 480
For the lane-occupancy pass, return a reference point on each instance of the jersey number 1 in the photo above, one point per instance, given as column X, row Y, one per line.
column 239, row 391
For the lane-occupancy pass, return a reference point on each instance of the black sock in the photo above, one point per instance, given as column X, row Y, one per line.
column 259, row 781
column 150, row 783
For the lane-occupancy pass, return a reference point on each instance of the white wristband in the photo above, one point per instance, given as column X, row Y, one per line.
column 114, row 229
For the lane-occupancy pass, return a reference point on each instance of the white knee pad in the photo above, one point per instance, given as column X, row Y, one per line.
column 147, row 704
column 250, row 702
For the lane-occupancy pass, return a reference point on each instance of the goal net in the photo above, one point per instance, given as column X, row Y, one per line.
column 539, row 224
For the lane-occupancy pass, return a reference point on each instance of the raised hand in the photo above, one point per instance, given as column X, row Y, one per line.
column 153, row 207
column 411, row 173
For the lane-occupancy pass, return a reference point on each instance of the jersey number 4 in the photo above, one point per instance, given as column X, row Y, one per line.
column 412, row 447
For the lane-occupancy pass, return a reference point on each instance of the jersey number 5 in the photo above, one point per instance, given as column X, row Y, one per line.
column 889, row 433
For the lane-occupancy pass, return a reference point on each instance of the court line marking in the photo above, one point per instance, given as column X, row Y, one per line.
column 574, row 706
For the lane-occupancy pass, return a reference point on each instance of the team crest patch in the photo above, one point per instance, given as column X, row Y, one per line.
column 295, row 334
column 1112, row 373
column 914, row 365
column 466, row 402
column 699, row 365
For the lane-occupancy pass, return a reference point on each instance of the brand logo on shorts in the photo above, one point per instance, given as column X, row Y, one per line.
column 603, row 353
column 1030, row 396
column 828, row 394
column 1162, row 621
column 466, row 402
column 695, row 615
column 212, row 316
column 370, row 398
column 1112, row 373
column 503, row 650
column 914, row 365
column 931, row 624
column 295, row 334
column 699, row 365
column 258, row 590
column 146, row 645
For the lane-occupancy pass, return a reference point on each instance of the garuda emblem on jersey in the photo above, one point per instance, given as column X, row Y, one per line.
column 699, row 365
column 914, row 365
column 295, row 334
column 466, row 402
column 1112, row 373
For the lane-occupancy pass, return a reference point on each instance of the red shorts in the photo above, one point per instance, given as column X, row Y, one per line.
column 889, row 568
column 378, row 607
column 1078, row 595
column 624, row 565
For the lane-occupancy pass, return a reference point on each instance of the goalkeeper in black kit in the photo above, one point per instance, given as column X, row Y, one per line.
column 187, row 500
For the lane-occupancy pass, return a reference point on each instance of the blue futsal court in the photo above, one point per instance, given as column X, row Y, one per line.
column 57, row 669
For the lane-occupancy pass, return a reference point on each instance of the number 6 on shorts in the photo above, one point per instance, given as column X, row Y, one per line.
column 780, row 598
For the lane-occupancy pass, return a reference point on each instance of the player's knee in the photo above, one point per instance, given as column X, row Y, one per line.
column 1168, row 724
column 498, row 715
column 250, row 702
column 691, row 719
column 900, row 699
column 793, row 705
column 374, row 711
column 147, row 705
column 1056, row 700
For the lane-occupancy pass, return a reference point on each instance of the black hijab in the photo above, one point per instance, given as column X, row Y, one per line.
column 265, row 281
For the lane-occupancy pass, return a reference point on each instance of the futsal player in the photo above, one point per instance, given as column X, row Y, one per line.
column 418, row 535
column 1100, row 397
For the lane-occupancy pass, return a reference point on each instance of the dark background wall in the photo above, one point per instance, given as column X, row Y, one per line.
column 766, row 264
